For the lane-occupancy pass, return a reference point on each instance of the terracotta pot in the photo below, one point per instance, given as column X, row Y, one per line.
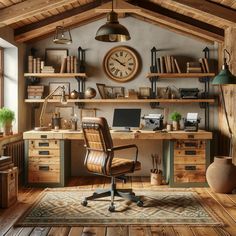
column 221, row 175
column 7, row 128
column 176, row 125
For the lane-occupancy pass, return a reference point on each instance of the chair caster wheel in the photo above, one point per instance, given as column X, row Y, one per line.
column 84, row 203
column 139, row 203
column 111, row 208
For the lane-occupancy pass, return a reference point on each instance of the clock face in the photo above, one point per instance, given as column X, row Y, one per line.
column 121, row 63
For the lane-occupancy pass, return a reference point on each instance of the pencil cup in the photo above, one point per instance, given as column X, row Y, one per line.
column 156, row 178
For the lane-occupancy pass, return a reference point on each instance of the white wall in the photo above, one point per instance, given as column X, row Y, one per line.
column 143, row 37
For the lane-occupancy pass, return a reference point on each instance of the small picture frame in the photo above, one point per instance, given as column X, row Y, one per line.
column 87, row 112
column 54, row 57
column 113, row 92
column 101, row 91
column 54, row 85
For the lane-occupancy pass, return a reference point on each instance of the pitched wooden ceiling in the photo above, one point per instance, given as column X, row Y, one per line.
column 34, row 19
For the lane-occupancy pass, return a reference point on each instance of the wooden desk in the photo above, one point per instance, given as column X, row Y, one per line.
column 186, row 155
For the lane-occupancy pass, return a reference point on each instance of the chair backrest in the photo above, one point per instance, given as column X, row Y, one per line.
column 98, row 141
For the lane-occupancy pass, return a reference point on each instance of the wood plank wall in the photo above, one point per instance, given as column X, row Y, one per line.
column 230, row 96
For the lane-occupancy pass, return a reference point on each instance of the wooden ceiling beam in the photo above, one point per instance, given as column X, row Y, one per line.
column 73, row 21
column 26, row 9
column 217, row 11
column 176, row 21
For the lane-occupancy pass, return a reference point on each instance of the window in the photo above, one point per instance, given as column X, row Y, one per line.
column 1, row 77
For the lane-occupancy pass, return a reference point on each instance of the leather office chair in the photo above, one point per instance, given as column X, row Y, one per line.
column 100, row 160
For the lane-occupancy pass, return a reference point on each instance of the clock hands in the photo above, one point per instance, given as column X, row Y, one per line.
column 123, row 64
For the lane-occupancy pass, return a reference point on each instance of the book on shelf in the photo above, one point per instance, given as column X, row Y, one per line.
column 206, row 65
column 34, row 65
column 63, row 65
column 177, row 66
column 68, row 64
column 75, row 65
column 30, row 64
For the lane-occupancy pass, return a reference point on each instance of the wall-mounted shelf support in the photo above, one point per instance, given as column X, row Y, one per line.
column 80, row 105
column 81, row 85
column 154, row 105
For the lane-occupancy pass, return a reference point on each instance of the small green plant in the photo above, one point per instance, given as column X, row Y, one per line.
column 175, row 116
column 6, row 115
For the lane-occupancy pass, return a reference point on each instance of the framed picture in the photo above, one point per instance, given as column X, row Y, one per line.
column 54, row 57
column 66, row 112
column 54, row 85
column 89, row 112
column 114, row 92
column 101, row 91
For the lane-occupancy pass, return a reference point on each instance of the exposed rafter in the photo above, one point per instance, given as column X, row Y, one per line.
column 213, row 10
column 27, row 9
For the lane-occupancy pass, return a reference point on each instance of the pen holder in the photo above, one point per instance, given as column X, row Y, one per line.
column 156, row 178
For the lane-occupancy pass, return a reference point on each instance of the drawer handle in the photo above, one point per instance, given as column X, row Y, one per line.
column 43, row 136
column 43, row 144
column 45, row 168
column 43, row 152
column 190, row 168
column 190, row 144
column 192, row 152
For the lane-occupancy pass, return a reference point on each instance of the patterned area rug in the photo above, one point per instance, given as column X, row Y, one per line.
column 57, row 207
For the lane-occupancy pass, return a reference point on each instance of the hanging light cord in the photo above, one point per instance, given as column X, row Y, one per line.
column 227, row 120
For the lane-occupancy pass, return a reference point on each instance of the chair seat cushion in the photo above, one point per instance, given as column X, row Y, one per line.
column 122, row 166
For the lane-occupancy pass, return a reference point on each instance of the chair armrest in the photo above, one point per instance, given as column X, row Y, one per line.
column 126, row 147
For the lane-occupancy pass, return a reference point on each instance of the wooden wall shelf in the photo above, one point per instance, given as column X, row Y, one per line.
column 124, row 100
column 55, row 75
column 180, row 75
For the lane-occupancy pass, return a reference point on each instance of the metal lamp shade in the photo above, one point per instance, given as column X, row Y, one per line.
column 224, row 77
column 112, row 31
column 62, row 36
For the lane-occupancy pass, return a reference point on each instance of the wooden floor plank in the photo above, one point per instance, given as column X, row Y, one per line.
column 162, row 231
column 183, row 231
column 59, row 231
column 40, row 231
column 204, row 231
column 136, row 182
column 94, row 231
column 75, row 231
column 139, row 231
column 214, row 201
column 117, row 231
column 26, row 231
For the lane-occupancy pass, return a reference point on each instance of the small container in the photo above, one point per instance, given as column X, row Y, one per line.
column 56, row 122
column 169, row 127
column 156, row 178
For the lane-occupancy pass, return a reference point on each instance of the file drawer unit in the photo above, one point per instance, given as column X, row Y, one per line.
column 47, row 161
column 189, row 160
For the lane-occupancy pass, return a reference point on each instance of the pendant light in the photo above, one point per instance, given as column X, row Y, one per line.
column 62, row 36
column 112, row 31
column 225, row 77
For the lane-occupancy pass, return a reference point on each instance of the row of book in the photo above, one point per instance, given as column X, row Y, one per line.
column 35, row 91
column 69, row 64
column 166, row 64
column 200, row 66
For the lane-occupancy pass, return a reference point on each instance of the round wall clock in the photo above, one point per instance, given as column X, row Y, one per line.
column 121, row 63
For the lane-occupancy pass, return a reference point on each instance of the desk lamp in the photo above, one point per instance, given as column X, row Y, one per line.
column 62, row 100
column 225, row 77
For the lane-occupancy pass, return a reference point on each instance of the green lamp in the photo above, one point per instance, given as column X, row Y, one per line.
column 225, row 77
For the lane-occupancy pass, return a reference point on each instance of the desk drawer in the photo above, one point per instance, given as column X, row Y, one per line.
column 43, row 167
column 46, row 160
column 189, row 160
column 189, row 168
column 44, row 152
column 43, row 135
column 189, row 176
column 44, row 144
column 190, row 144
column 42, row 176
column 190, row 152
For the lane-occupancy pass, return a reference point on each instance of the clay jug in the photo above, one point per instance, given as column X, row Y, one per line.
column 221, row 175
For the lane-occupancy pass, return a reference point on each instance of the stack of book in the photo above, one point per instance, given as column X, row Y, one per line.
column 34, row 64
column 167, row 64
column 47, row 69
column 194, row 67
column 35, row 91
column 6, row 163
column 69, row 65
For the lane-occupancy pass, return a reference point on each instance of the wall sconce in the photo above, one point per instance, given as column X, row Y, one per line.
column 112, row 31
column 225, row 77
column 62, row 36
column 62, row 100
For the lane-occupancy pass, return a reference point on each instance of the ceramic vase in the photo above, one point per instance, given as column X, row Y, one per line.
column 221, row 175
column 176, row 125
column 7, row 128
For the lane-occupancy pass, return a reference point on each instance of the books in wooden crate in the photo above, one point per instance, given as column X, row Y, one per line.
column 35, row 91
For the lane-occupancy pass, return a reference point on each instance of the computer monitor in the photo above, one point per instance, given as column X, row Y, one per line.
column 126, row 118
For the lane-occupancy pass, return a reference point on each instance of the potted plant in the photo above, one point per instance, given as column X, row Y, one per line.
column 175, row 117
column 6, row 118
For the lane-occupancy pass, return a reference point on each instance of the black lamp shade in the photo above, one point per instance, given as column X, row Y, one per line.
column 112, row 31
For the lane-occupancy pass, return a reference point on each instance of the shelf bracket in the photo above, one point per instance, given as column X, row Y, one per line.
column 32, row 80
column 153, row 81
column 81, row 85
column 154, row 105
